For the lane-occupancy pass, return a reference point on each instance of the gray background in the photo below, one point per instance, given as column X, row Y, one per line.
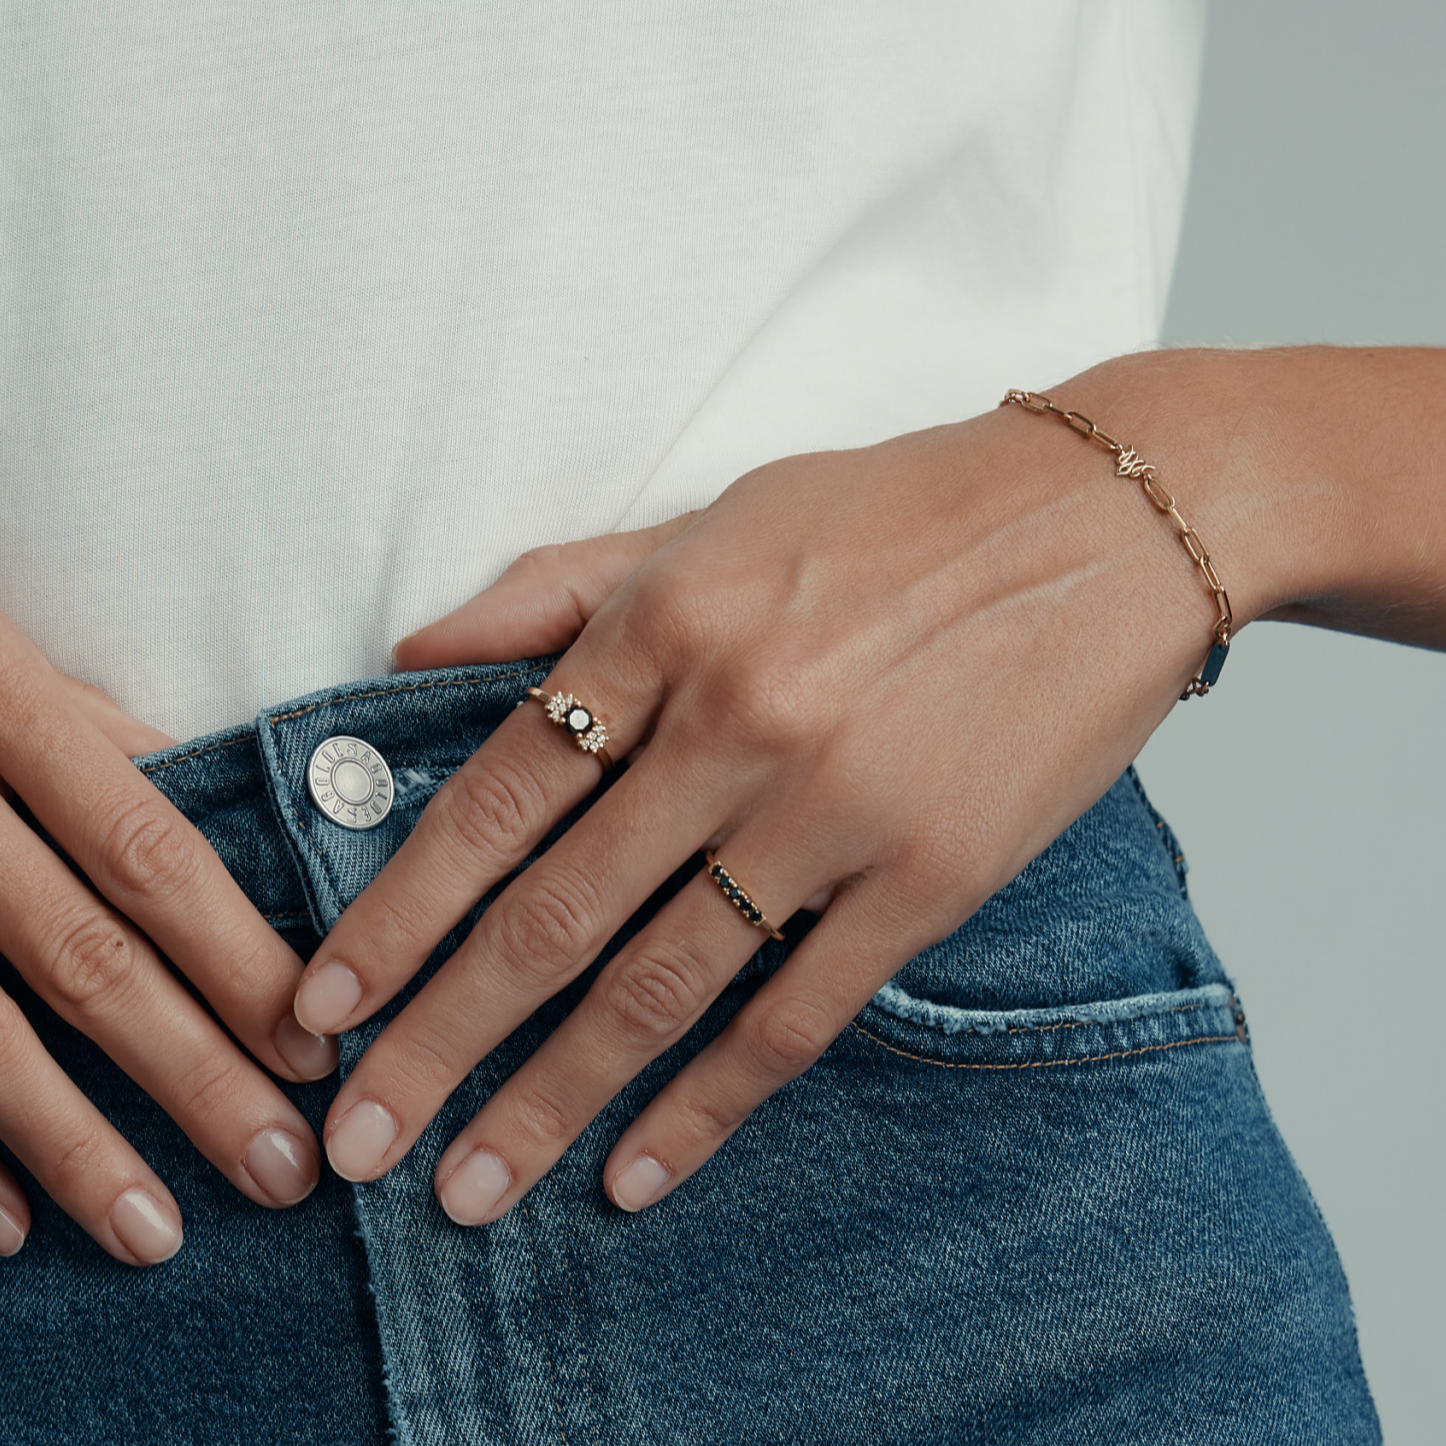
column 1310, row 790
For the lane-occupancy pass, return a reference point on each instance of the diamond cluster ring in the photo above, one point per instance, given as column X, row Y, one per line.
column 588, row 731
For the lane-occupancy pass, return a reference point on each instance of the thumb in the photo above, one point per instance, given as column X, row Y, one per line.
column 539, row 605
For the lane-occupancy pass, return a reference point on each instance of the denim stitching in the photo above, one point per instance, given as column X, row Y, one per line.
column 186, row 757
column 537, row 1280
column 317, row 851
column 401, row 688
column 1064, row 1024
column 1043, row 1063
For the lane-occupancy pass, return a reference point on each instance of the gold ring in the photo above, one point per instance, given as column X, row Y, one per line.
column 588, row 731
column 738, row 896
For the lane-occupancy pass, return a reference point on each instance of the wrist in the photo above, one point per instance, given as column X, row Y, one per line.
column 1304, row 470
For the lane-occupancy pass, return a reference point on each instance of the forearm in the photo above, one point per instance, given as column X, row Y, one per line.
column 1315, row 475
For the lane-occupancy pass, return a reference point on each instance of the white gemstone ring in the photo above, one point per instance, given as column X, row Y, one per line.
column 588, row 731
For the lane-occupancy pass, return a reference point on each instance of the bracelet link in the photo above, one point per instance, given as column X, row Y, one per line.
column 1129, row 463
column 1157, row 494
column 1029, row 401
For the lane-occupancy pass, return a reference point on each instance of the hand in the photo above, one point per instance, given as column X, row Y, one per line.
column 96, row 960
column 876, row 682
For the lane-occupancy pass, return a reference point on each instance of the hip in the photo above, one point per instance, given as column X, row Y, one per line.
column 1032, row 1193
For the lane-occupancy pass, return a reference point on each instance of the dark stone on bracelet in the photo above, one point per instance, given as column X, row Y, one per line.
column 1210, row 673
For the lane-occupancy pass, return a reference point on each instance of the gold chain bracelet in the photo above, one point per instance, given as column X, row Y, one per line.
column 1128, row 463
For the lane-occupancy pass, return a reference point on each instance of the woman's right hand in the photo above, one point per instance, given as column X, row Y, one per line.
column 95, row 956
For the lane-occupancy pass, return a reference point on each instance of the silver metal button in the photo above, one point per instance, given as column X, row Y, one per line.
column 349, row 781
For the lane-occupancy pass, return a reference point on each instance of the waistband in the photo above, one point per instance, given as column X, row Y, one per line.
column 1101, row 914
column 245, row 787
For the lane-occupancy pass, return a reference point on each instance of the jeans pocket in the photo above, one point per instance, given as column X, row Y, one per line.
column 1059, row 1037
column 1100, row 915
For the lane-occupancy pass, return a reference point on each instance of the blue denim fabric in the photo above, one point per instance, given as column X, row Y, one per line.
column 1032, row 1194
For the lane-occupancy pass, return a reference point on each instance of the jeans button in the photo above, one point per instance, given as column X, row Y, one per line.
column 349, row 781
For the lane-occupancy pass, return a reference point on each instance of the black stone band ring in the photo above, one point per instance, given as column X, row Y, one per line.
column 738, row 897
column 588, row 731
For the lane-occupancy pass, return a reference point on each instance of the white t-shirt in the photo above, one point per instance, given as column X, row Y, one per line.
column 317, row 312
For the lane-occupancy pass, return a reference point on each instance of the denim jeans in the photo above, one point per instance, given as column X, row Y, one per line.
column 1032, row 1194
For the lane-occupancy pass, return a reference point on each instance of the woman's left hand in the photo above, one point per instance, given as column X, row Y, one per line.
column 875, row 682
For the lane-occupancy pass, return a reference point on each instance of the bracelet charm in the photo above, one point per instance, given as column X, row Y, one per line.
column 1129, row 463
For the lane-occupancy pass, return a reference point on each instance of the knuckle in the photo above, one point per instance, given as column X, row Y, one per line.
column 93, row 963
column 546, row 928
column 703, row 1123
column 491, row 810
column 399, row 926
column 787, row 1037
column 540, row 1115
column 150, row 851
column 22, row 693
column 429, row 1064
column 96, row 695
column 667, row 618
column 550, row 570
column 656, row 993
column 247, row 972
column 773, row 708
column 15, row 1034
column 76, row 1157
column 545, row 561
column 209, row 1087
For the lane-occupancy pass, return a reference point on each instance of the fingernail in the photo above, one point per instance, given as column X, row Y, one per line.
column 470, row 1193
column 312, row 1056
column 640, row 1183
column 12, row 1237
column 326, row 998
column 282, row 1165
column 146, row 1228
column 358, row 1143
column 397, row 647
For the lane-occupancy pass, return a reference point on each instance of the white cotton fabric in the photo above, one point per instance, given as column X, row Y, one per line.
column 317, row 312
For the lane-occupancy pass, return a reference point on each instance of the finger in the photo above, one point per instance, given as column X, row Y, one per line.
column 484, row 821
column 144, row 856
column 102, row 976
column 547, row 927
column 77, row 1155
column 539, row 605
column 642, row 1003
column 774, row 1038
column 14, row 1215
column 130, row 735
